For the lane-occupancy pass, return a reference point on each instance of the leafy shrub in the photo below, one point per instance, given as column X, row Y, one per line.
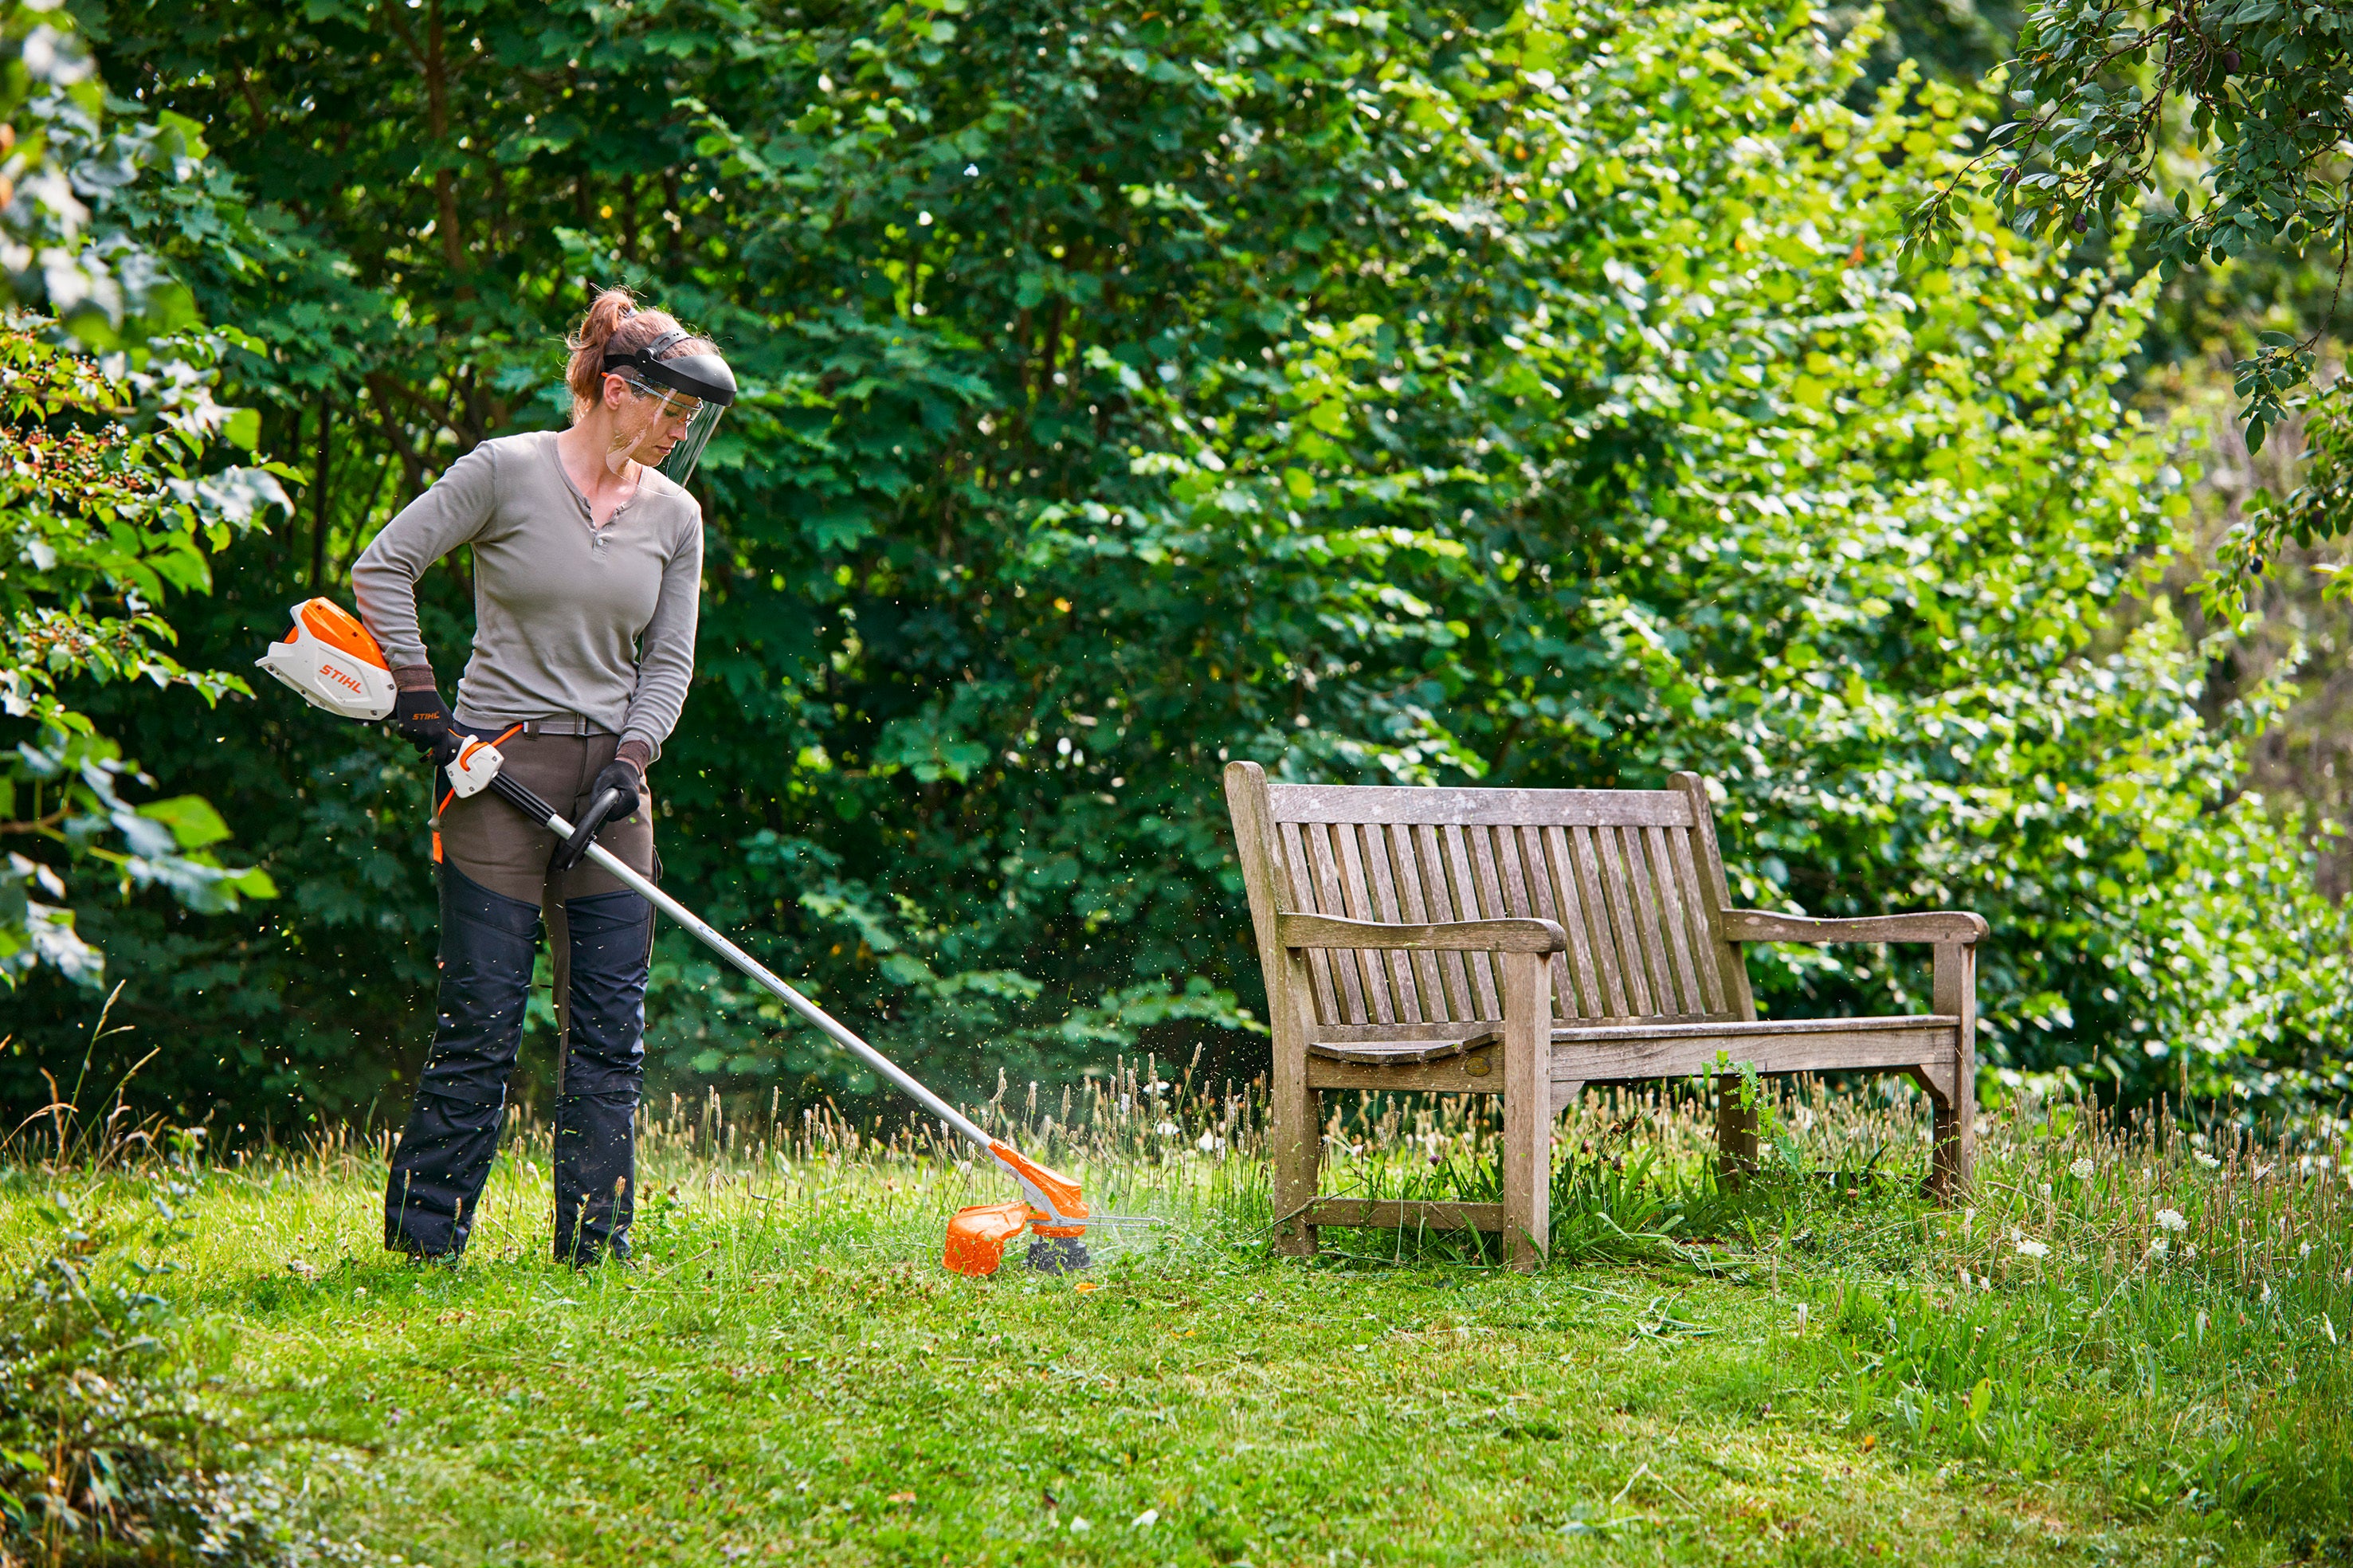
column 111, row 1450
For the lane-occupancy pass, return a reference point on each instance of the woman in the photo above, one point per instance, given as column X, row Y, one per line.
column 587, row 571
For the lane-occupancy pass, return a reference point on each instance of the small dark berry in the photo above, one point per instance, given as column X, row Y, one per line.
column 2083, row 224
column 2230, row 62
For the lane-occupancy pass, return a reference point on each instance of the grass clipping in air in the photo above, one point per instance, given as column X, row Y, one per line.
column 2129, row 1347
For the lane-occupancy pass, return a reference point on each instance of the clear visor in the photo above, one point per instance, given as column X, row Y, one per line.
column 662, row 428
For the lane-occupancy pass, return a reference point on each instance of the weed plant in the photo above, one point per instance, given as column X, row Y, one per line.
column 2127, row 1344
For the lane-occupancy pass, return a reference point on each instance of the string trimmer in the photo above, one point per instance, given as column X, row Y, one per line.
column 332, row 660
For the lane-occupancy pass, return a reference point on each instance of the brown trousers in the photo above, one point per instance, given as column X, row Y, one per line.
column 499, row 848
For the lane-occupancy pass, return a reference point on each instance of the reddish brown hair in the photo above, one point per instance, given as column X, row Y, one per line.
column 614, row 321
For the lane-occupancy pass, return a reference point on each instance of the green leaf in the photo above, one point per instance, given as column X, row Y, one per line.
column 191, row 818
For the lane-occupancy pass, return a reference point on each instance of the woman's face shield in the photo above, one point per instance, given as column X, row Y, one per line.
column 668, row 407
column 662, row 428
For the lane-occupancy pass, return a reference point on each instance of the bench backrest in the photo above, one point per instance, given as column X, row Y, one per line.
column 1634, row 875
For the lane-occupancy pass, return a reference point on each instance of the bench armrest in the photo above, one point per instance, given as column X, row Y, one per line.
column 1463, row 936
column 1933, row 925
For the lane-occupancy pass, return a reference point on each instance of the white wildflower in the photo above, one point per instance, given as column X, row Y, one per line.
column 1078, row 1524
column 2083, row 1170
column 2329, row 1327
column 1210, row 1144
column 2207, row 1160
column 2190, row 1250
column 2304, row 1251
column 2170, row 1219
column 2046, row 1189
column 2158, row 1247
column 2265, row 1295
column 1984, row 1283
column 1167, row 1129
column 1144, row 1520
column 1801, row 1318
column 2027, row 1247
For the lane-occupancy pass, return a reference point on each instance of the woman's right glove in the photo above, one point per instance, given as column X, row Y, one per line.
column 420, row 718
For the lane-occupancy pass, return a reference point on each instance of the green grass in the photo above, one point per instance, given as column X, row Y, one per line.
column 1796, row 1373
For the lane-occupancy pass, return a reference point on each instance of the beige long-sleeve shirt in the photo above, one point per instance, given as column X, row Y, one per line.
column 568, row 618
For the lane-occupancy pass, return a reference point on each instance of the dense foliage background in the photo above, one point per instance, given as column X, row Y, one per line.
column 1433, row 394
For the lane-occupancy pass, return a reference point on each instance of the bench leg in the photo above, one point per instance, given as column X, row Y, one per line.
column 1526, row 1151
column 1297, row 1135
column 1952, row 1155
column 1736, row 1133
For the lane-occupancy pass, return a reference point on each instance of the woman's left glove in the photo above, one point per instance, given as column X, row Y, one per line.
column 618, row 775
column 621, row 776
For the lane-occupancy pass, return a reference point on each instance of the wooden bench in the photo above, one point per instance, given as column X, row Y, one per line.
column 1527, row 942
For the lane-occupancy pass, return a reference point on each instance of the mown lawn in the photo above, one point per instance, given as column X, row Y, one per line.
column 788, row 1374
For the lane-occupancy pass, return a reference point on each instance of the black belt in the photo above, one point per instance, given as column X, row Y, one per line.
column 562, row 725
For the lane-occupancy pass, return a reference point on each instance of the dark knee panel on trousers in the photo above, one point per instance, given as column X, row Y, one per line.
column 610, row 937
column 488, row 942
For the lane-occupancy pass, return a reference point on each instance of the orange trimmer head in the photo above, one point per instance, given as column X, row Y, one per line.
column 1052, row 1208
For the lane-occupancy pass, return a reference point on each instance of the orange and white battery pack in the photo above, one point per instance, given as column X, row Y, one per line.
column 329, row 659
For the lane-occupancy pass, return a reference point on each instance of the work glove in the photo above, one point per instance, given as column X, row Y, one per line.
column 618, row 775
column 420, row 718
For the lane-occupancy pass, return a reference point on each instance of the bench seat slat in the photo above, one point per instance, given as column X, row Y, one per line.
column 1802, row 1045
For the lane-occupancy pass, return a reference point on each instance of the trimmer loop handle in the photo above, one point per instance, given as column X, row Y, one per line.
column 585, row 832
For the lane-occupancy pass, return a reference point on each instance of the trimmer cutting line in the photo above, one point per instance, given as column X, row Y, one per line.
column 329, row 659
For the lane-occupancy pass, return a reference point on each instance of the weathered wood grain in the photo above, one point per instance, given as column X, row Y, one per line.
column 1514, row 935
column 1929, row 925
column 1407, row 1213
column 1526, row 1151
column 1484, row 808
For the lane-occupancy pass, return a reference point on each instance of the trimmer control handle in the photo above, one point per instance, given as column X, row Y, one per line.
column 585, row 832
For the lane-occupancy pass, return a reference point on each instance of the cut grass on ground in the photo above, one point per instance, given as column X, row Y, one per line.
column 1831, row 1374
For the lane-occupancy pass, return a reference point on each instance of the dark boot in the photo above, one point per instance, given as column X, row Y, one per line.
column 611, row 940
column 488, row 942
